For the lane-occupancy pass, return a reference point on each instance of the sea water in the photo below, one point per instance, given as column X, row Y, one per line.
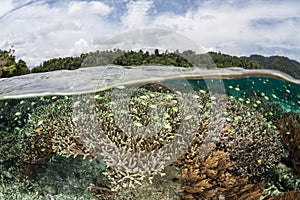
column 27, row 101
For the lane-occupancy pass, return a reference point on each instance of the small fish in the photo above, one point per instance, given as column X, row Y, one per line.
column 138, row 124
column 258, row 140
column 37, row 130
column 153, row 106
column 76, row 103
column 143, row 97
column 40, row 122
column 237, row 89
column 18, row 113
column 203, row 91
column 266, row 97
column 229, row 129
column 155, row 117
column 167, row 126
column 166, row 115
column 168, row 96
column 175, row 109
column 270, row 113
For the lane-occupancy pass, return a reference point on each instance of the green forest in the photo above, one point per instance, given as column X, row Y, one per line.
column 10, row 67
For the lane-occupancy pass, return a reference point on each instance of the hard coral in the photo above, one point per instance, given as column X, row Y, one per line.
column 294, row 195
column 251, row 141
column 49, row 131
column 211, row 177
column 139, row 140
column 290, row 131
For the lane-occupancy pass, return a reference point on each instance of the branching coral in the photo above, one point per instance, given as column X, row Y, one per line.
column 211, row 177
column 290, row 131
column 50, row 130
column 294, row 195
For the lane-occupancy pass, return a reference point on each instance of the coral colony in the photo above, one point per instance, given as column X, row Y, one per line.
column 223, row 152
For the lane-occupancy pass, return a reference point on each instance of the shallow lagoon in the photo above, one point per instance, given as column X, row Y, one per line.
column 113, row 141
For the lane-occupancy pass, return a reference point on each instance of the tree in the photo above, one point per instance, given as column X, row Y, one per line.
column 8, row 65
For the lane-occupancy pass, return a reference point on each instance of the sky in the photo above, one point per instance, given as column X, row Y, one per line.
column 43, row 29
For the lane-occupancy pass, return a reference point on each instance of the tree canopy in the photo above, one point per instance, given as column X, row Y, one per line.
column 9, row 66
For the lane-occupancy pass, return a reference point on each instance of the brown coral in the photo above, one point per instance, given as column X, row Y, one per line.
column 290, row 131
column 211, row 177
column 294, row 195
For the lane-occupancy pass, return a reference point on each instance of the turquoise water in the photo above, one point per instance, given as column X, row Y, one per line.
column 44, row 122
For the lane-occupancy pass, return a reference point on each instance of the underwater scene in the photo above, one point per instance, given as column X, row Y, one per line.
column 233, row 136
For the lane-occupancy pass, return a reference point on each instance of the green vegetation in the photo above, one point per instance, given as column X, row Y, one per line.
column 223, row 61
column 9, row 66
column 68, row 63
column 280, row 63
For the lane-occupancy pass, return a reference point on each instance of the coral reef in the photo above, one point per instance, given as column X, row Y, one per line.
column 49, row 130
column 251, row 141
column 289, row 129
column 282, row 178
column 294, row 195
column 211, row 177
column 139, row 134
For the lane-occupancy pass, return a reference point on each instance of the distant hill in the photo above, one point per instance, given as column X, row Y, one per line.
column 281, row 63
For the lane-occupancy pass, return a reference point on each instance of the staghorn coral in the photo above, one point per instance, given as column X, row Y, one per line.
column 289, row 129
column 251, row 141
column 50, row 130
column 135, row 141
column 211, row 177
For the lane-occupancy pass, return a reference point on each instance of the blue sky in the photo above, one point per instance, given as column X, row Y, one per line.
column 42, row 29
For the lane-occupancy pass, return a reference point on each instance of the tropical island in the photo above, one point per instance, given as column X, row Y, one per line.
column 10, row 67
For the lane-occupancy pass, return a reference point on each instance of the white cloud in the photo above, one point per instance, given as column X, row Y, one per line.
column 6, row 6
column 81, row 46
column 40, row 31
column 93, row 7
column 137, row 14
column 230, row 28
